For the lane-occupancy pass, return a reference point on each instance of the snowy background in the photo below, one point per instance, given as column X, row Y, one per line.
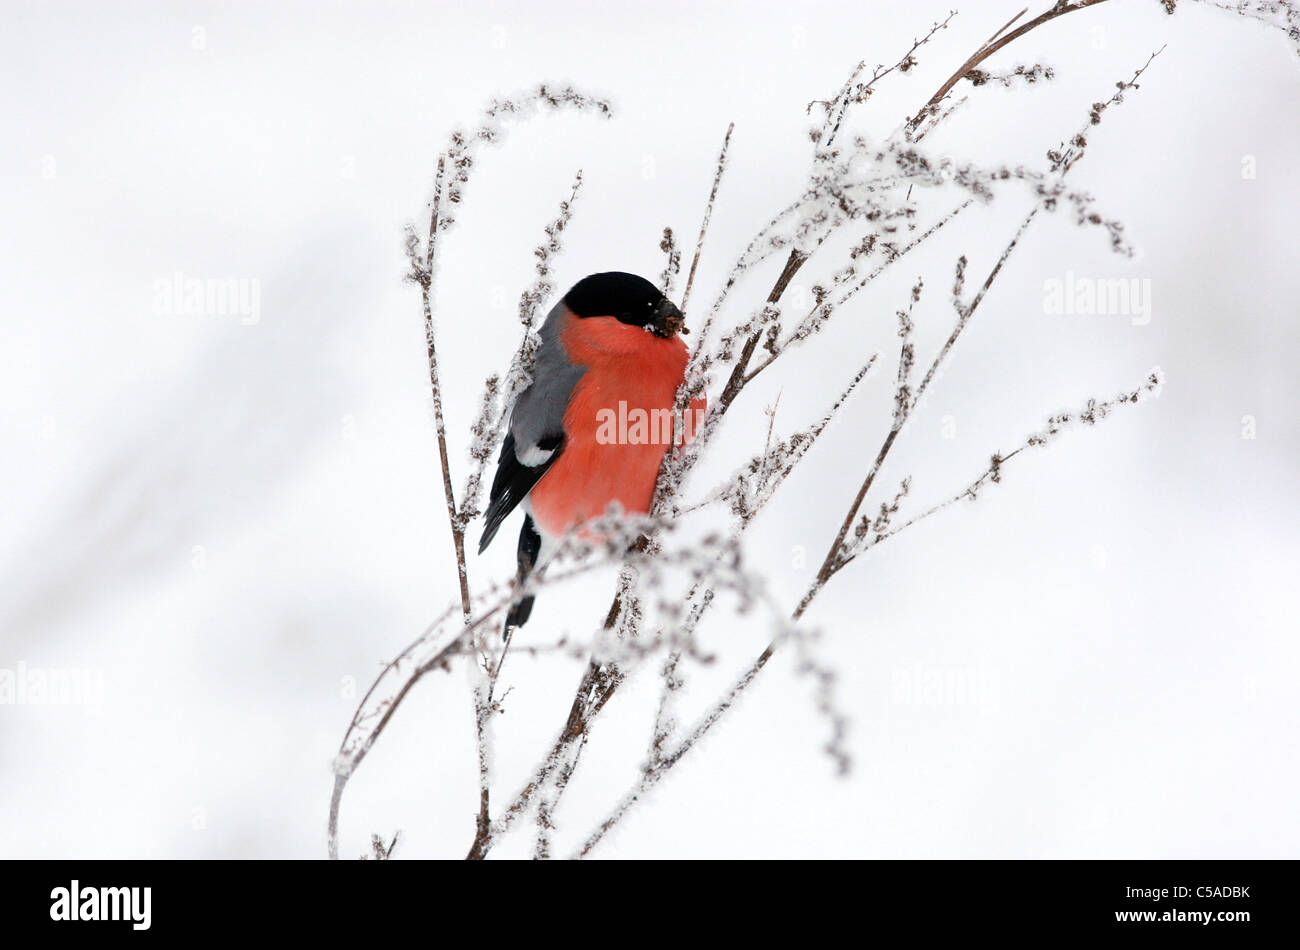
column 235, row 522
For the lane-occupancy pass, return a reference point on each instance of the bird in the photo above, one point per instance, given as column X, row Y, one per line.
column 582, row 436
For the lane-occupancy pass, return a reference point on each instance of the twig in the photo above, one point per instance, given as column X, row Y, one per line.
column 440, row 428
column 1000, row 40
column 708, row 214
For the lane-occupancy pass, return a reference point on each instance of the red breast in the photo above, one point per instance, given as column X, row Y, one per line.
column 632, row 377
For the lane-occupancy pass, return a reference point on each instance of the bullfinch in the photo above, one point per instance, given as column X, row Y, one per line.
column 591, row 430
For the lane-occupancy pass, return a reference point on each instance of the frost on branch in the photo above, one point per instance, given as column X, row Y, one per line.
column 1064, row 156
column 672, row 262
column 463, row 145
column 754, row 485
column 855, row 91
column 1092, row 412
column 1029, row 75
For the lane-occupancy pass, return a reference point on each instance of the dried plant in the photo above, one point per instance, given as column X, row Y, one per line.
column 895, row 197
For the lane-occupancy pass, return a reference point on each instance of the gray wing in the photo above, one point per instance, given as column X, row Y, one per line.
column 536, row 436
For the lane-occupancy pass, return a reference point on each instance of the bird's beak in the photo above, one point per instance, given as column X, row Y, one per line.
column 668, row 319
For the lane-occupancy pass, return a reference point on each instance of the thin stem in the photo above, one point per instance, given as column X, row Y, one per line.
column 439, row 423
column 736, row 382
column 481, row 707
column 1000, row 39
column 708, row 214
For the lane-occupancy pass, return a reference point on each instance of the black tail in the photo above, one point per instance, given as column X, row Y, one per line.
column 530, row 543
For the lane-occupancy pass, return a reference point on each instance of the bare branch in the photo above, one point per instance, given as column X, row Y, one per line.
column 708, row 215
column 1000, row 40
column 1093, row 411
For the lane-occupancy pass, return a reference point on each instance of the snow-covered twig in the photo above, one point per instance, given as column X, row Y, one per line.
column 708, row 215
column 1093, row 411
column 672, row 262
